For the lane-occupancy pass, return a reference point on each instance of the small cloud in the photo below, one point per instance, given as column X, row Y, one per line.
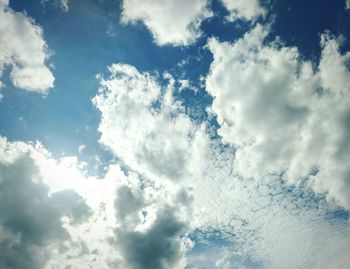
column 64, row 5
column 17, row 50
column 248, row 10
column 167, row 21
column 184, row 84
column 81, row 148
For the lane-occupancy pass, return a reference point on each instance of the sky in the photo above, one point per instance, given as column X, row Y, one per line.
column 174, row 134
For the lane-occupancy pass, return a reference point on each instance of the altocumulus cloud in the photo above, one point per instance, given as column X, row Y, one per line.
column 263, row 223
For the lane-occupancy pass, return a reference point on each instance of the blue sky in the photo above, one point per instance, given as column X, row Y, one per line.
column 174, row 134
column 89, row 37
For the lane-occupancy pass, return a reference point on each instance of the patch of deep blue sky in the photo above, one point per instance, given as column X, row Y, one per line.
column 88, row 38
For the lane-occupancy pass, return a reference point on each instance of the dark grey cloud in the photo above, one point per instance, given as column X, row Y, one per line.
column 154, row 246
column 157, row 248
column 30, row 218
column 127, row 204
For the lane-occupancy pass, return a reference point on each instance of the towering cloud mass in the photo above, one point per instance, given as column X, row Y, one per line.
column 144, row 126
column 170, row 22
column 23, row 50
column 283, row 116
column 244, row 9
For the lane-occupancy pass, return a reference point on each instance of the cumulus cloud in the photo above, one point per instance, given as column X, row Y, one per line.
column 24, row 50
column 283, row 116
column 159, row 247
column 123, row 221
column 258, row 219
column 31, row 218
column 170, row 22
column 151, row 224
column 55, row 216
column 142, row 124
column 244, row 9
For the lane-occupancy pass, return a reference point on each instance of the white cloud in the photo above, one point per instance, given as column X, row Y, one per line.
column 81, row 148
column 260, row 219
column 280, row 115
column 263, row 223
column 143, row 125
column 24, row 50
column 347, row 4
column 66, row 196
column 244, row 9
column 170, row 22
column 146, row 129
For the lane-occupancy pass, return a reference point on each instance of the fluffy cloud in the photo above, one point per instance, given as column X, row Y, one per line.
column 170, row 22
column 123, row 217
column 159, row 247
column 31, row 218
column 281, row 115
column 258, row 219
column 243, row 9
column 347, row 4
column 45, row 222
column 151, row 224
column 144, row 126
column 24, row 50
